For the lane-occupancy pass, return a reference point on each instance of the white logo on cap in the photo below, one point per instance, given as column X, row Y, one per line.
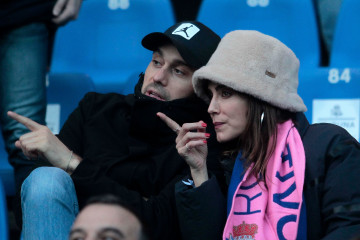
column 186, row 30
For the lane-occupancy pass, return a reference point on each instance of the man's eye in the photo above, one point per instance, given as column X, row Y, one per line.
column 109, row 238
column 77, row 238
column 156, row 63
column 178, row 72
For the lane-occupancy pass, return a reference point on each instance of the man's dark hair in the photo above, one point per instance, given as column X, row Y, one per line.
column 111, row 199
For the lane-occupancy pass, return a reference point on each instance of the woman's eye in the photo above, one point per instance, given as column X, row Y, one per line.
column 226, row 93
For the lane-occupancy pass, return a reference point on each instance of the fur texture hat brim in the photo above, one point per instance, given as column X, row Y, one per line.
column 256, row 64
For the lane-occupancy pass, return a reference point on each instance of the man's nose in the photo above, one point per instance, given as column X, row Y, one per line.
column 161, row 76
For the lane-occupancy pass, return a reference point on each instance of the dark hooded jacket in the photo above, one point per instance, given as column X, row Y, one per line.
column 331, row 189
column 130, row 152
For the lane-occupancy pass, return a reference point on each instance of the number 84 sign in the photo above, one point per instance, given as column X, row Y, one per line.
column 336, row 76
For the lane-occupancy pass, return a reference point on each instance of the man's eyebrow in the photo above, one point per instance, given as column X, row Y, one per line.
column 158, row 51
column 77, row 230
column 176, row 62
column 113, row 230
column 179, row 62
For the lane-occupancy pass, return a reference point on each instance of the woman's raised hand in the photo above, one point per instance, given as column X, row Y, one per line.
column 191, row 144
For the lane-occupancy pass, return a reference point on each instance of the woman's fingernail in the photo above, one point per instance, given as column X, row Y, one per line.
column 207, row 135
column 203, row 124
column 205, row 141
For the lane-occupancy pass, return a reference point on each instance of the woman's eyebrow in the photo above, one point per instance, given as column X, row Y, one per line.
column 219, row 87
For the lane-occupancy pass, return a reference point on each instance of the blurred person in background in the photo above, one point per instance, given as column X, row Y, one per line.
column 327, row 12
column 107, row 217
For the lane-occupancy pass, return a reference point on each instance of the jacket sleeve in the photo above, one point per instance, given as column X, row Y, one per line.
column 71, row 134
column 201, row 210
column 341, row 192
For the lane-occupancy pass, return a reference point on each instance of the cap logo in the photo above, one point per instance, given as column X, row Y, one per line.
column 186, row 30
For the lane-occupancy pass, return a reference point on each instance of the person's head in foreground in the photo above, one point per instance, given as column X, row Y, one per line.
column 251, row 85
column 177, row 53
column 106, row 217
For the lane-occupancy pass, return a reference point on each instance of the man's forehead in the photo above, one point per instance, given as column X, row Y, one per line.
column 177, row 60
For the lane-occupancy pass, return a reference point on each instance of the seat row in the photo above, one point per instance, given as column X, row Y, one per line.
column 105, row 40
column 332, row 95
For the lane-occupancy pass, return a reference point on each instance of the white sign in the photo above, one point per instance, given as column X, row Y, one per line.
column 53, row 117
column 342, row 112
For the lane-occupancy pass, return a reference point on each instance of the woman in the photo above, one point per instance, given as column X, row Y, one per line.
column 290, row 180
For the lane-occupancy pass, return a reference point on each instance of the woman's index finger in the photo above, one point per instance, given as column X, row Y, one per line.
column 169, row 122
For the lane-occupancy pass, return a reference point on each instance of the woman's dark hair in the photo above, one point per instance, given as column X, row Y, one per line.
column 258, row 140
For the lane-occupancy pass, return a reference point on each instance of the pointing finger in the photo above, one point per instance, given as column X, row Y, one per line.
column 171, row 123
column 30, row 124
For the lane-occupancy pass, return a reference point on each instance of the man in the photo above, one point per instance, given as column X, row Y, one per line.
column 116, row 144
column 106, row 217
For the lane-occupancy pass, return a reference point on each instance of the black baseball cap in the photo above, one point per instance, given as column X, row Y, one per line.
column 194, row 41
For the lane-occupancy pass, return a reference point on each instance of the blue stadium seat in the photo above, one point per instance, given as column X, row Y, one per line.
column 346, row 43
column 6, row 171
column 4, row 230
column 332, row 95
column 105, row 40
column 63, row 94
column 131, row 83
column 291, row 21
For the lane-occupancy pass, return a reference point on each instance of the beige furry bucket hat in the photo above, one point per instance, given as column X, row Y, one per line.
column 256, row 64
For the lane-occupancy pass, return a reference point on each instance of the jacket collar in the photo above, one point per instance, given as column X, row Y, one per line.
column 146, row 125
column 301, row 123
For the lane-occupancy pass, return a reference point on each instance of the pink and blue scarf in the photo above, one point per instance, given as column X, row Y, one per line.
column 272, row 212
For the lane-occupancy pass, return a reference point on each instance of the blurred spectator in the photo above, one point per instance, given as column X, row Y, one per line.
column 327, row 11
column 106, row 217
column 186, row 9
